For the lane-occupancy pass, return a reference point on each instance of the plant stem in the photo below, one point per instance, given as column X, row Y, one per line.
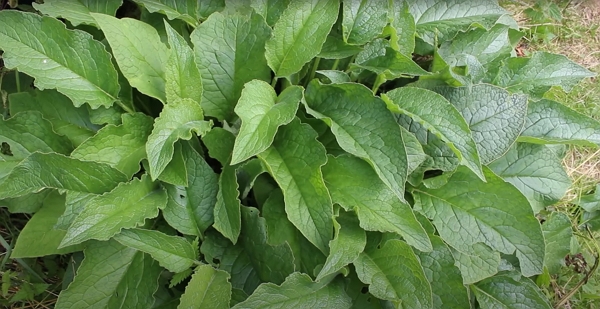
column 18, row 81
column 314, row 68
column 125, row 107
column 335, row 64
column 274, row 82
column 378, row 82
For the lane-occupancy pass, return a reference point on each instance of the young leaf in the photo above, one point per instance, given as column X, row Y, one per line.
column 440, row 117
column 182, row 77
column 298, row 291
column 392, row 64
column 504, row 291
column 176, row 121
column 209, row 288
column 229, row 53
column 363, row 127
column 112, row 276
column 262, row 113
column 227, row 209
column 467, row 210
column 76, row 11
column 299, row 35
column 175, row 172
column 558, row 234
column 394, row 273
column 271, row 10
column 536, row 171
column 185, row 10
column 127, row 206
column 297, row 170
column 549, row 122
column 172, row 252
column 78, row 66
column 140, row 54
column 354, row 185
column 122, row 147
column 363, row 20
column 414, row 150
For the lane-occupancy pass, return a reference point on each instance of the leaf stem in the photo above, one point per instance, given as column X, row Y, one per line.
column 18, row 81
column 314, row 68
column 274, row 82
column 378, row 82
column 125, row 107
column 335, row 64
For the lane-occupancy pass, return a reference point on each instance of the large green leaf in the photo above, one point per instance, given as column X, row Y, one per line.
column 298, row 291
column 495, row 116
column 78, row 11
column 299, row 34
column 549, row 122
column 440, row 117
column 185, row 10
column 182, row 77
column 77, row 66
column 297, row 170
column 271, row 10
column 485, row 45
column 209, row 288
column 227, row 214
column 476, row 262
column 558, row 234
column 394, row 273
column 38, row 237
column 392, row 64
column 122, row 147
column 140, row 54
column 354, row 185
column 127, row 206
column 176, row 121
column 363, row 127
column 402, row 27
column 363, row 20
column 414, row 150
column 536, row 171
column 29, row 203
column 262, row 112
column 52, row 170
column 506, row 291
column 229, row 53
column 467, row 210
column 112, row 276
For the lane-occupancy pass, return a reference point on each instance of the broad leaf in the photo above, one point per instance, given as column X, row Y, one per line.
column 29, row 203
column 549, row 122
column 505, row 291
column 229, row 53
column 402, row 27
column 363, row 20
column 363, row 127
column 122, row 147
column 77, row 66
column 227, row 214
column 334, row 76
column 74, row 203
column 262, row 112
column 209, row 288
column 590, row 202
column 414, row 150
column 485, row 45
column 335, row 47
column 440, row 117
column 112, row 276
column 127, row 206
column 182, row 77
column 176, row 121
column 185, row 10
column 207, row 7
column 354, row 185
column 392, row 64
column 140, row 54
column 298, row 291
column 299, row 34
column 558, row 234
column 467, row 210
column 476, row 262
column 78, row 11
column 394, row 273
column 220, row 144
column 271, row 10
column 172, row 252
column 297, row 170
column 536, row 171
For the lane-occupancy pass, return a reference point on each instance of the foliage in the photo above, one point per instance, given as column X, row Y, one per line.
column 270, row 154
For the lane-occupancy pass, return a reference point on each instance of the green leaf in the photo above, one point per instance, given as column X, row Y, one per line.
column 220, row 144
column 74, row 203
column 467, row 210
column 393, row 272
column 485, row 45
column 207, row 7
column 550, row 122
column 271, row 10
column 227, row 209
column 494, row 116
column 172, row 252
column 335, row 47
column 392, row 65
column 298, row 291
column 590, row 202
column 112, row 276
column 209, row 288
column 182, row 77
column 176, row 121
column 537, row 74
column 297, row 170
column 505, row 291
column 190, row 209
column 78, row 11
column 441, row 118
column 122, row 147
column 29, row 203
column 414, row 150
column 184, row 10
column 558, row 235
column 299, row 35
column 354, row 185
column 140, row 54
column 38, row 237
column 363, row 20
column 229, row 53
column 476, row 262
column 363, row 127
column 175, row 172
column 349, row 241
column 334, row 76
column 51, row 170
column 127, row 206
column 262, row 112
column 403, row 27
column 536, row 171
column 78, row 66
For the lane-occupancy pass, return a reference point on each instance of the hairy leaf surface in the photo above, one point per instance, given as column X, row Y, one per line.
column 209, row 288
column 78, row 11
